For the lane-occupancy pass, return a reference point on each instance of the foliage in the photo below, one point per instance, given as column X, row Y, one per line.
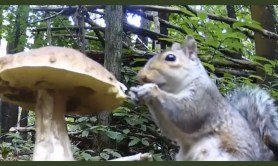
column 17, row 148
column 131, row 133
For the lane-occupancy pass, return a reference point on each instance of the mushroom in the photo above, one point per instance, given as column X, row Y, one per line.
column 55, row 81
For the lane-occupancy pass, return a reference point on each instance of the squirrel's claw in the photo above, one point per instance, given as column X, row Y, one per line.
column 132, row 95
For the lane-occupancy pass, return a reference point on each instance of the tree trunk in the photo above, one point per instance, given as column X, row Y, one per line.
column 9, row 115
column 24, row 122
column 1, row 21
column 231, row 11
column 265, row 47
column 274, row 17
column 81, row 34
column 1, row 25
column 9, row 111
column 79, row 21
column 112, row 54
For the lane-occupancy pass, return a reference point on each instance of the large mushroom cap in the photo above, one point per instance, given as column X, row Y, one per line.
column 90, row 86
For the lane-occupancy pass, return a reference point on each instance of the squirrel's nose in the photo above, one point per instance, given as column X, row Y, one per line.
column 143, row 77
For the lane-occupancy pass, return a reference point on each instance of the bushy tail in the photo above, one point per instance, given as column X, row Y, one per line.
column 259, row 109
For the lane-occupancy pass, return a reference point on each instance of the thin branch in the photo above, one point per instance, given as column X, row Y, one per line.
column 137, row 157
column 235, row 72
column 47, row 18
column 155, row 8
column 225, row 63
column 70, row 9
column 231, row 21
column 74, row 35
column 97, row 32
column 73, row 28
column 68, row 30
column 226, row 20
column 144, row 32
column 248, row 64
column 162, row 21
column 22, row 129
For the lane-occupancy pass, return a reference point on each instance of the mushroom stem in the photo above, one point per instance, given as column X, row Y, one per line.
column 52, row 141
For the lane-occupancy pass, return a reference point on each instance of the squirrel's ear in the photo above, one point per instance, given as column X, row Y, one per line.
column 176, row 46
column 191, row 47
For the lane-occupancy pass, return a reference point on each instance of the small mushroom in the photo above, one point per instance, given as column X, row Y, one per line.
column 55, row 81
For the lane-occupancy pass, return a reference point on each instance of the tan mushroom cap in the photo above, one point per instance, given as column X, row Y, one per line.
column 90, row 86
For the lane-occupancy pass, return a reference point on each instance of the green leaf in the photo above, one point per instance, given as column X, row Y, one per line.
column 93, row 119
column 143, row 127
column 115, row 135
column 268, row 69
column 236, row 35
column 157, row 157
column 73, row 127
column 116, row 154
column 185, row 11
column 120, row 114
column 202, row 15
column 95, row 158
column 82, row 119
column 126, row 131
column 130, row 121
column 261, row 58
column 104, row 156
column 145, row 142
column 14, row 135
column 210, row 66
column 252, row 24
column 112, row 152
column 86, row 156
column 134, row 141
column 4, row 152
column 121, row 111
column 85, row 133
column 256, row 77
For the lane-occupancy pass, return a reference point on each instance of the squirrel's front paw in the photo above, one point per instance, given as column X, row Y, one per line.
column 144, row 92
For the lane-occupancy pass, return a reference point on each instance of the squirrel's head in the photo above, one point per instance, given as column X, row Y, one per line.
column 173, row 69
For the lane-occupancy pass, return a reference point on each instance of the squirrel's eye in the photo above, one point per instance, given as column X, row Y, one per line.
column 170, row 57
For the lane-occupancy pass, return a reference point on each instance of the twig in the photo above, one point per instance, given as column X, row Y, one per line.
column 63, row 28
column 50, row 17
column 235, row 72
column 155, row 8
column 74, row 35
column 226, row 20
column 22, row 129
column 162, row 21
column 231, row 21
column 137, row 157
column 145, row 32
column 97, row 32
column 70, row 9
column 68, row 31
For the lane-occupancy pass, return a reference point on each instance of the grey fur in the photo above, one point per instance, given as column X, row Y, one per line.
column 206, row 125
column 258, row 108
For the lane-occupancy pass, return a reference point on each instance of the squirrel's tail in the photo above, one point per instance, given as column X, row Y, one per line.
column 258, row 108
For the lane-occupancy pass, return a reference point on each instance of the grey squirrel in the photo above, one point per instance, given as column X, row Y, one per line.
column 189, row 109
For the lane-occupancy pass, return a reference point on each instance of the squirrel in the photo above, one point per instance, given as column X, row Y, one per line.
column 189, row 109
